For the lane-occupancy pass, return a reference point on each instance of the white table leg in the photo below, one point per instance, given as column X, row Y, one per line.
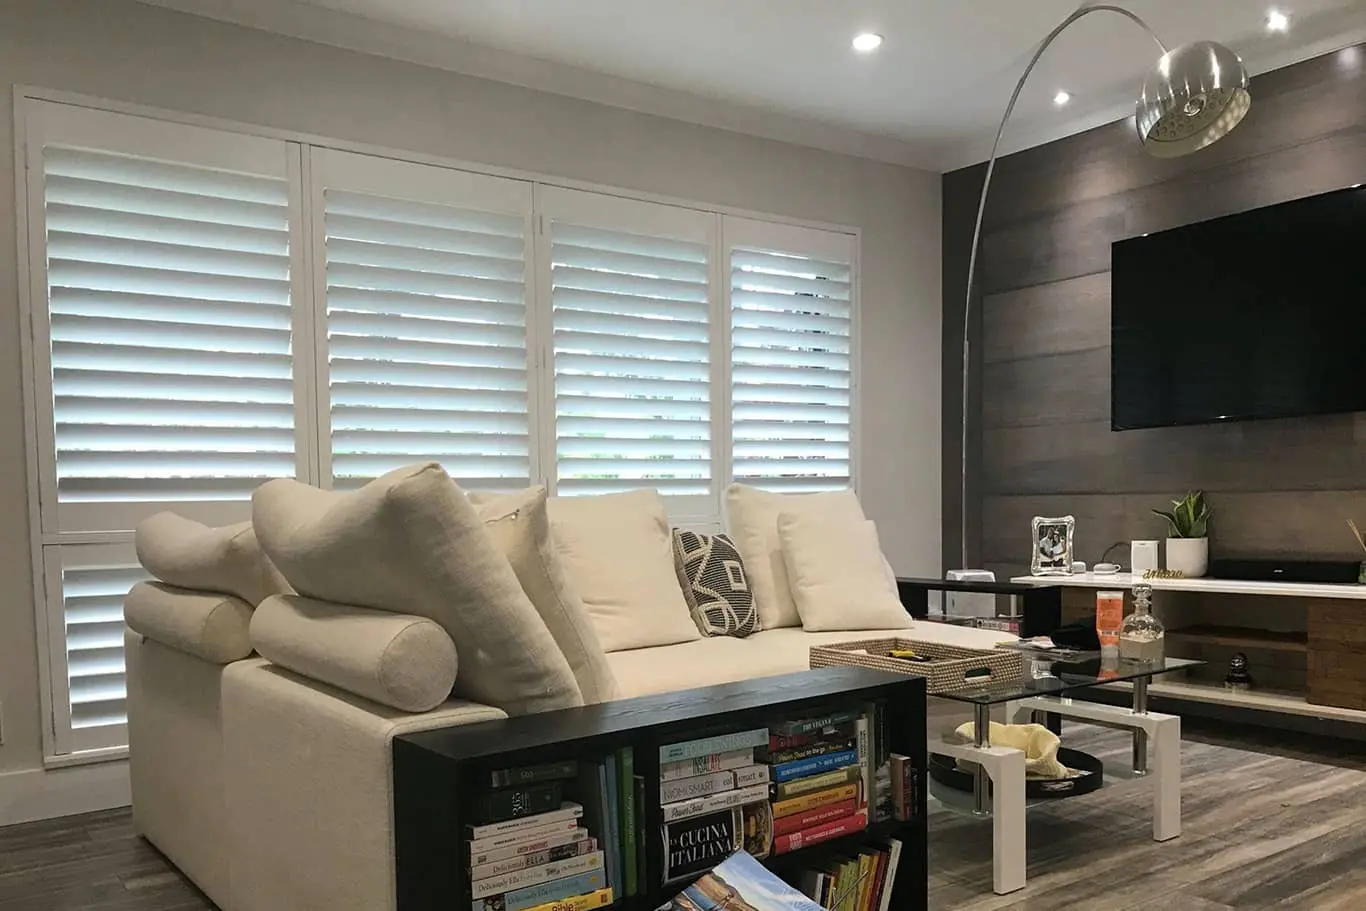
column 1005, row 768
column 1167, row 778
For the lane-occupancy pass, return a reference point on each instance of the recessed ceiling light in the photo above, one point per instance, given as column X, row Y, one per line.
column 1277, row 21
column 867, row 42
column 1061, row 98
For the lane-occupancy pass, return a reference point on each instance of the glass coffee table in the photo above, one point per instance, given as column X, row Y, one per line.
column 1051, row 684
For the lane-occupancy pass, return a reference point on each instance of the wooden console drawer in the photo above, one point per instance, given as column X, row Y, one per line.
column 1337, row 654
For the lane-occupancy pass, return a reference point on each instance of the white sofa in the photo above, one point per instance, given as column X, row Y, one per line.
column 271, row 789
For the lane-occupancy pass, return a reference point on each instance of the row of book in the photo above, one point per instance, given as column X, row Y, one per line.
column 543, row 838
column 858, row 879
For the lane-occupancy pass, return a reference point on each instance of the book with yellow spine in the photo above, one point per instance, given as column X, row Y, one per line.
column 599, row 899
column 806, row 802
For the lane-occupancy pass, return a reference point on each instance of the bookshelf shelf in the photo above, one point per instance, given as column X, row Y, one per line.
column 439, row 776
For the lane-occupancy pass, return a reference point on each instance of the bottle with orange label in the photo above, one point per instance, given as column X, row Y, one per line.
column 1109, row 621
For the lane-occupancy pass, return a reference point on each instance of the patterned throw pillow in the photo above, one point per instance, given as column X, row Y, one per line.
column 714, row 584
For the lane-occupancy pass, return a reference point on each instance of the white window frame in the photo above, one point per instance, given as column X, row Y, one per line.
column 310, row 334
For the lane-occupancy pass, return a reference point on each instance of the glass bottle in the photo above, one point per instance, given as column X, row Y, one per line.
column 1142, row 637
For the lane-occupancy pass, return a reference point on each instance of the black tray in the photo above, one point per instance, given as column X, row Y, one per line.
column 944, row 769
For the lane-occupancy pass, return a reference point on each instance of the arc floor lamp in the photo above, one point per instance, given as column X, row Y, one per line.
column 1191, row 98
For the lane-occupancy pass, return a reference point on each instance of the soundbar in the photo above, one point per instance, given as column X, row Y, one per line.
column 1332, row 572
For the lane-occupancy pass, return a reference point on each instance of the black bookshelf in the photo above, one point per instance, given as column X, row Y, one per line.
column 436, row 773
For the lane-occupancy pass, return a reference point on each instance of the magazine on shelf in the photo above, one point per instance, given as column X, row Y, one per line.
column 740, row 882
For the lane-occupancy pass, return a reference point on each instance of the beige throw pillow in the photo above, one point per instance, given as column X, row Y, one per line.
column 410, row 542
column 520, row 525
column 617, row 551
column 752, row 522
column 837, row 574
column 188, row 554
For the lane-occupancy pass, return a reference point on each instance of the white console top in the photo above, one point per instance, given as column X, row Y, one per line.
column 1223, row 586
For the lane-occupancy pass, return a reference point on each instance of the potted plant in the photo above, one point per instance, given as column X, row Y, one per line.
column 1188, row 544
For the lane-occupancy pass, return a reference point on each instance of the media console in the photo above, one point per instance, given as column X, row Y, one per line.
column 1305, row 643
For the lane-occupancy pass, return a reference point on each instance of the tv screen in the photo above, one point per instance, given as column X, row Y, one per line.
column 1255, row 315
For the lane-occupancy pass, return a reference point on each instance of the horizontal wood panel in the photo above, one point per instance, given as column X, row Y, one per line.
column 1058, row 318
column 1054, row 389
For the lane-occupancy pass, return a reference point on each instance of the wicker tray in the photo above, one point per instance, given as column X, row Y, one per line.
column 945, row 674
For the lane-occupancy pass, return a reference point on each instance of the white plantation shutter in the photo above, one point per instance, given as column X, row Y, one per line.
column 425, row 276
column 162, row 267
column 631, row 304
column 791, row 316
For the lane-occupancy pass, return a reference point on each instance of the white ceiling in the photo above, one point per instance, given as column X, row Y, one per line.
column 931, row 96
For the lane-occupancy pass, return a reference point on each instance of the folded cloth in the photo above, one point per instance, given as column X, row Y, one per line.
column 1038, row 743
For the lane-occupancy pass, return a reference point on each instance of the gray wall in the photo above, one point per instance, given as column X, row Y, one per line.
column 1042, row 443
column 129, row 52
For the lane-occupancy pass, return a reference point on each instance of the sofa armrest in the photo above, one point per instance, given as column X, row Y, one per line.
column 210, row 626
column 309, row 795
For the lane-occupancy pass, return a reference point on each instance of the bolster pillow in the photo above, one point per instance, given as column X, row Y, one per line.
column 209, row 626
column 397, row 660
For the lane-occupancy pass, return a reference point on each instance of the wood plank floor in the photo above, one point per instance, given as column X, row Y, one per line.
column 1265, row 827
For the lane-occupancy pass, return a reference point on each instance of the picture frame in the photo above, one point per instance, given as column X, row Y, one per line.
column 1052, row 546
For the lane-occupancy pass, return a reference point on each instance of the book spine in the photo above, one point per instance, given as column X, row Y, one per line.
column 497, row 806
column 817, row 834
column 567, row 811
column 807, row 725
column 536, row 835
column 626, row 788
column 864, row 754
column 612, row 822
column 535, row 859
column 751, row 775
column 554, row 890
column 685, row 808
column 806, row 751
column 789, row 789
column 535, row 875
column 702, row 765
column 701, row 786
column 639, row 789
column 534, row 774
column 786, row 825
column 889, row 878
column 482, row 855
column 812, row 801
column 899, row 788
column 722, row 743
column 598, row 899
column 778, row 742
column 815, row 765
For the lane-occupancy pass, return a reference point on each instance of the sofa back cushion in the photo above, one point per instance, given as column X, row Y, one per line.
column 410, row 542
column 188, row 554
column 397, row 660
column 836, row 573
column 519, row 525
column 752, row 521
column 618, row 554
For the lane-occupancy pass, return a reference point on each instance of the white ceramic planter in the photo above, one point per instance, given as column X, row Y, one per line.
column 1189, row 555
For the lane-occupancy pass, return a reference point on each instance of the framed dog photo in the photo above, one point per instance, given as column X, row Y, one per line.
column 1052, row 546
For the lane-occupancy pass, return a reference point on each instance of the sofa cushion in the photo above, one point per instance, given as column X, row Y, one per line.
column 520, row 525
column 207, row 625
column 188, row 554
column 618, row 554
column 752, row 521
column 397, row 660
column 410, row 542
column 712, row 575
column 767, row 653
column 835, row 572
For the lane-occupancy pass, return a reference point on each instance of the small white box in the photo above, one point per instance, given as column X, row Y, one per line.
column 970, row 604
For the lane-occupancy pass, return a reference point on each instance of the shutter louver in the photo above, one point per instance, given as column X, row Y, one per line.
column 790, row 373
column 92, row 608
column 170, row 327
column 631, row 362
column 426, row 321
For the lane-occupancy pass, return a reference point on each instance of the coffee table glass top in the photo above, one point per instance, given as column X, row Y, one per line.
column 1048, row 676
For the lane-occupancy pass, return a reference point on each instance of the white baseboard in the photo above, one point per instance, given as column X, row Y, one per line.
column 32, row 794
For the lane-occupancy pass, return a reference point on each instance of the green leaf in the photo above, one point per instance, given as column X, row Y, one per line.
column 1171, row 521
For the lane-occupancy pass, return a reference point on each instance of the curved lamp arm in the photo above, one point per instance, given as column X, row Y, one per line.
column 977, row 229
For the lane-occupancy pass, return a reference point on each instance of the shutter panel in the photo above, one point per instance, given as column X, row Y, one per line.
column 791, row 336
column 631, row 306
column 426, row 322
column 170, row 333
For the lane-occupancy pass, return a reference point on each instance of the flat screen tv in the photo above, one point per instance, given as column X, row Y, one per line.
column 1255, row 315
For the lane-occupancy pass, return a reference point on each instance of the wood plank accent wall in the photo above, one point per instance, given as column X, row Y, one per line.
column 1041, row 442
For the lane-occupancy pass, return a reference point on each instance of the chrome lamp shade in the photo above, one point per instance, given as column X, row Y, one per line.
column 1195, row 95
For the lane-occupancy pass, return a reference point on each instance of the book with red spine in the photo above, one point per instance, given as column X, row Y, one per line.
column 791, row 741
column 795, row 841
column 786, row 825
